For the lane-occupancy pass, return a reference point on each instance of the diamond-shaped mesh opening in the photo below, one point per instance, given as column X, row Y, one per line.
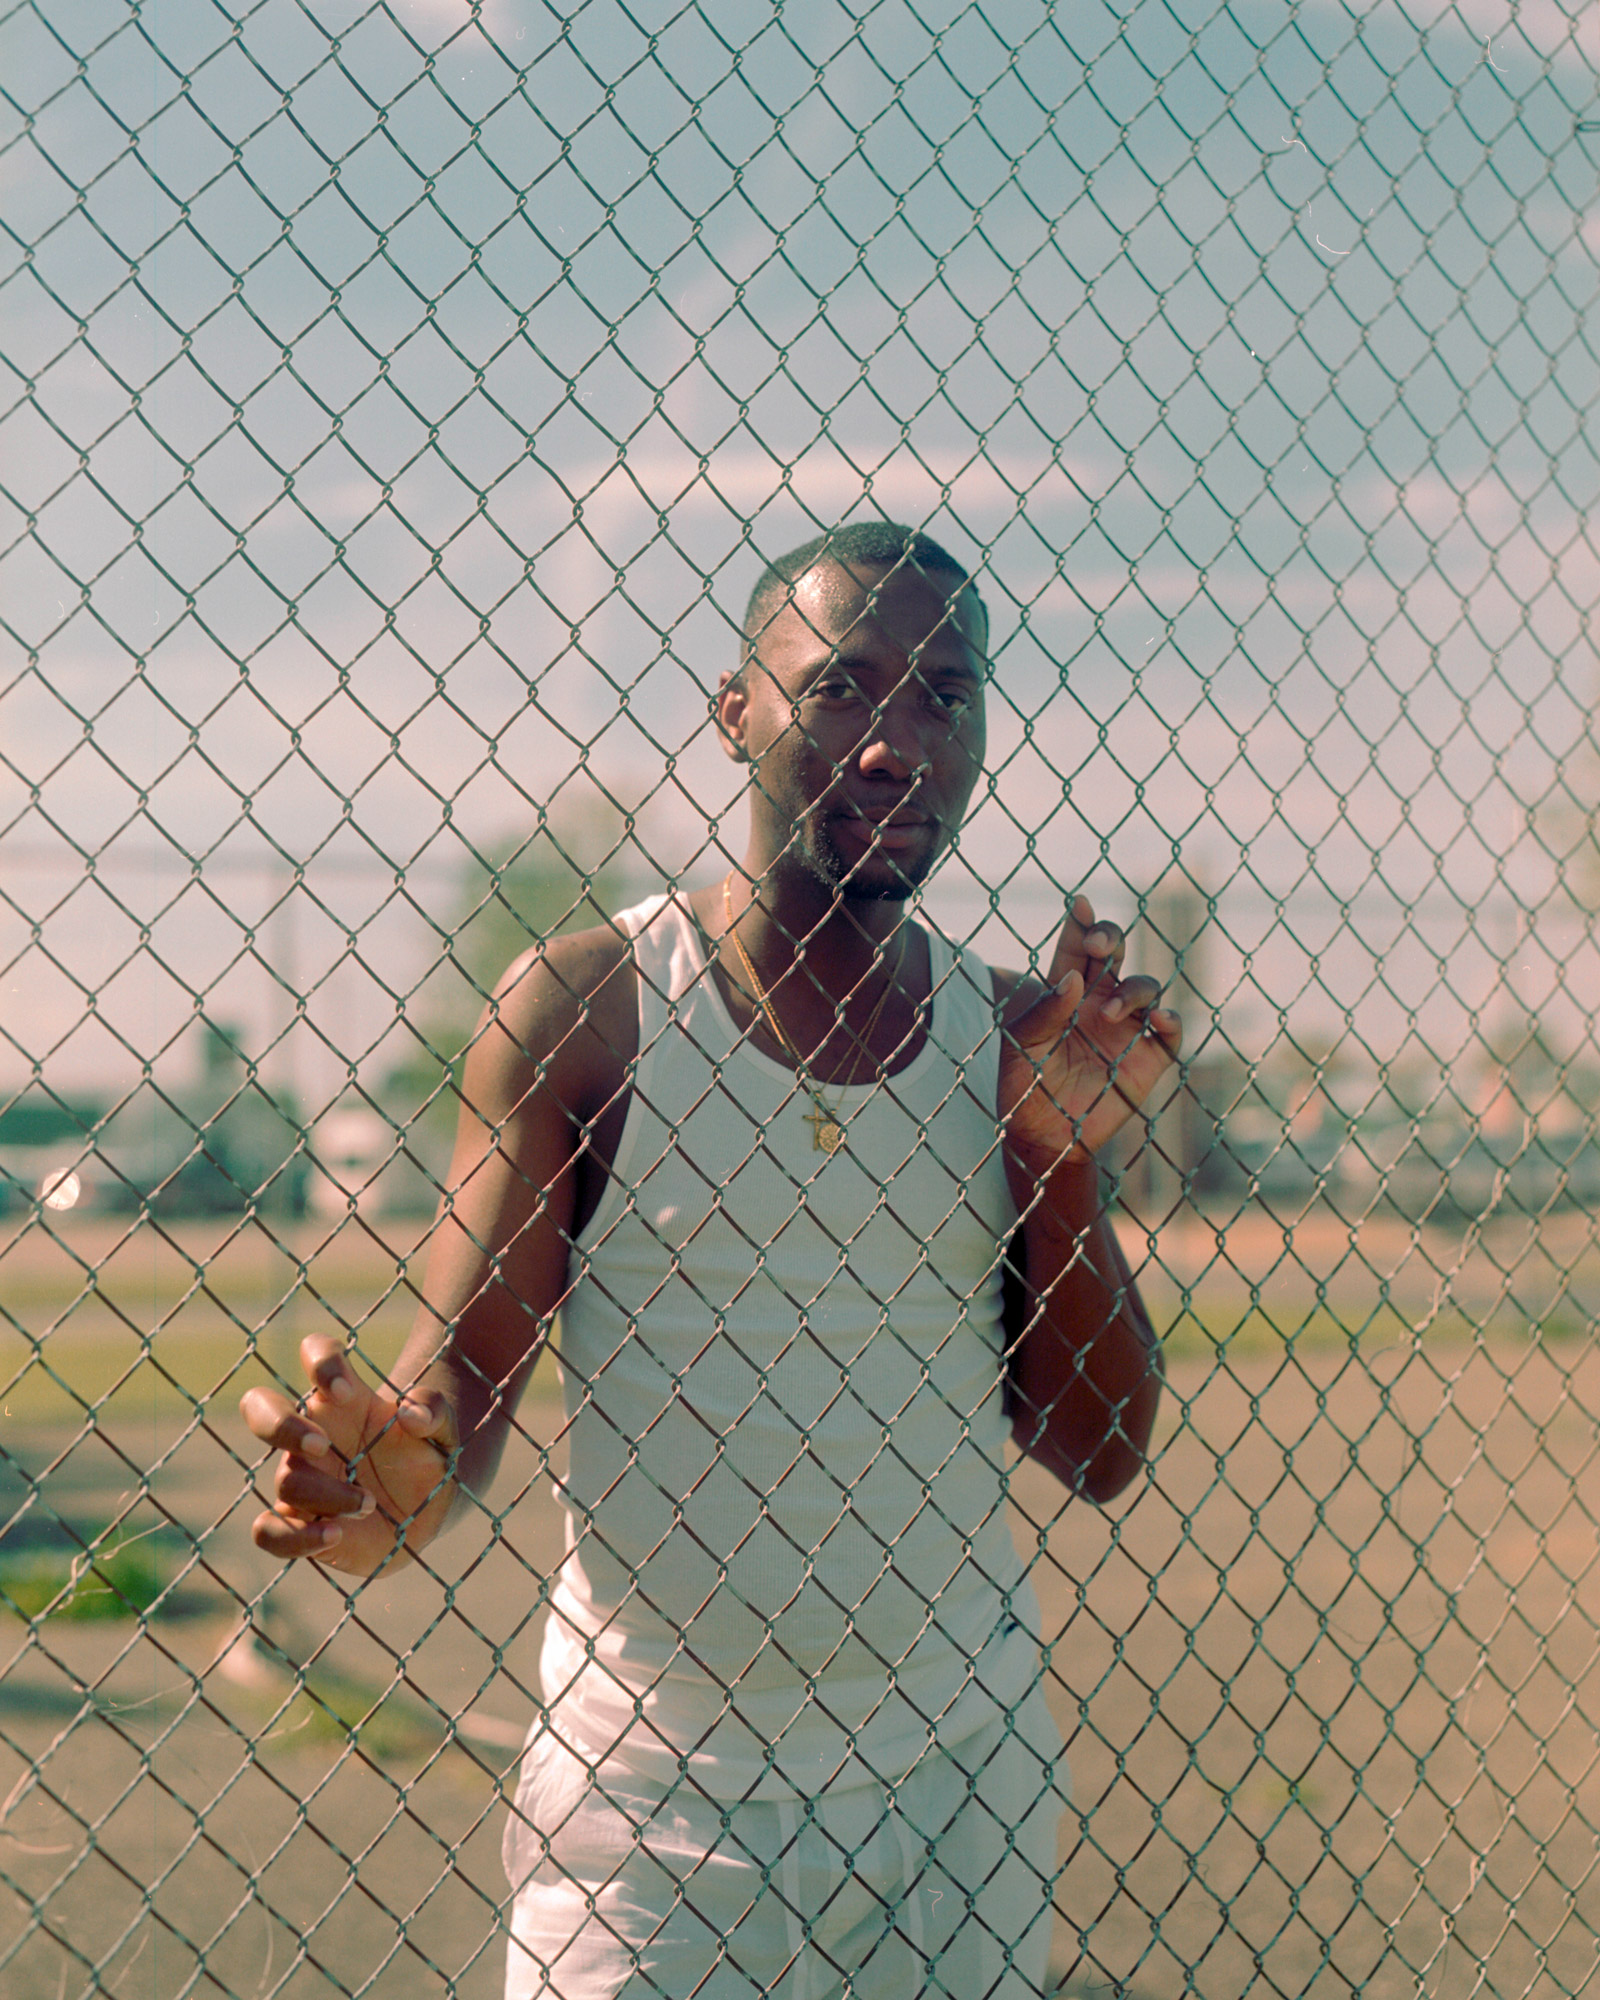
column 399, row 404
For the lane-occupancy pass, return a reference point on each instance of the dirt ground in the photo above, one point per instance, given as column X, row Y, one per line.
column 1329, row 1679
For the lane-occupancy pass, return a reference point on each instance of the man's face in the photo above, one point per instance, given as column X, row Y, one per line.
column 862, row 716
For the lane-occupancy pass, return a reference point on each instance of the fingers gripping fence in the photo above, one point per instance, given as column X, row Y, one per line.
column 400, row 404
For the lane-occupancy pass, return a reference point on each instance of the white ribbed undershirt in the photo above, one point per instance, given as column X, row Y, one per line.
column 786, row 1520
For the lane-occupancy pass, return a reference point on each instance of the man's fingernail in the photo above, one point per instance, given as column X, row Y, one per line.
column 313, row 1444
column 1098, row 940
column 341, row 1389
column 368, row 1502
column 1113, row 1011
column 329, row 1533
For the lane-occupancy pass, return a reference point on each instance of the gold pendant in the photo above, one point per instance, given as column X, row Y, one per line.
column 827, row 1134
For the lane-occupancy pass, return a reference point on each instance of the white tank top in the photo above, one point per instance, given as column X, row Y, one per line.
column 786, row 1531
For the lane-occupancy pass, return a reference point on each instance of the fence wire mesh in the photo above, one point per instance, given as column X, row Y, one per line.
column 400, row 402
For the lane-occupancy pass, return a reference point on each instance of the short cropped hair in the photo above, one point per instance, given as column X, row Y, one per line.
column 862, row 545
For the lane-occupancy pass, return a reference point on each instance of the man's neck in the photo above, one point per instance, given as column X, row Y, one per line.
column 821, row 986
column 839, row 941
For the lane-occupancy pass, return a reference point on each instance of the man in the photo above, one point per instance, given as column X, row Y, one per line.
column 815, row 1198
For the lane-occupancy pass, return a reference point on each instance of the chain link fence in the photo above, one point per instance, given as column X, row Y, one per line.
column 399, row 404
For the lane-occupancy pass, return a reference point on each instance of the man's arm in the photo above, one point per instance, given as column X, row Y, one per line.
column 1085, row 1370
column 1079, row 1056
column 369, row 1473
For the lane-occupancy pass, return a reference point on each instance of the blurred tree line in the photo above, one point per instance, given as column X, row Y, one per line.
column 571, row 872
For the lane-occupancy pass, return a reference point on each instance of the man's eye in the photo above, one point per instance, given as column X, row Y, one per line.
column 953, row 700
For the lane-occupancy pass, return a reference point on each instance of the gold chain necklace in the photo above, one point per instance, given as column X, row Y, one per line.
column 827, row 1129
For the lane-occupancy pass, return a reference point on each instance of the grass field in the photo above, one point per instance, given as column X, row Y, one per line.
column 1329, row 1679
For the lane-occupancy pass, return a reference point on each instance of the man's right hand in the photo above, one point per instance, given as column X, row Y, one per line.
column 358, row 1466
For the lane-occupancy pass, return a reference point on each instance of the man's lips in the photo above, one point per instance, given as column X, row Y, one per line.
column 892, row 831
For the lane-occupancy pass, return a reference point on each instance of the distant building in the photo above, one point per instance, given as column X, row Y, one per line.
column 218, row 1144
column 46, row 1145
column 350, row 1148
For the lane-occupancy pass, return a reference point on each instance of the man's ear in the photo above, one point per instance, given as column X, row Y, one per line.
column 731, row 708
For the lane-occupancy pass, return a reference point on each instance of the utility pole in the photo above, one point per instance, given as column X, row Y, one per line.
column 1176, row 947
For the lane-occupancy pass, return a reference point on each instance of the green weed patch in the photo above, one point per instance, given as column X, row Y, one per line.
column 122, row 1579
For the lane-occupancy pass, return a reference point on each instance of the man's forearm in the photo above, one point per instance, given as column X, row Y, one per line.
column 1085, row 1367
column 450, row 1361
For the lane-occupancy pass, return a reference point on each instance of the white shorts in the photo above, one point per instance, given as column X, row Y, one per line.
column 943, row 1887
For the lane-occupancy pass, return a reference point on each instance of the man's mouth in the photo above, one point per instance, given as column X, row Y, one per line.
column 889, row 834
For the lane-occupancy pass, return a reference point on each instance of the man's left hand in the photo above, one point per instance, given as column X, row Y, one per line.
column 1080, row 1060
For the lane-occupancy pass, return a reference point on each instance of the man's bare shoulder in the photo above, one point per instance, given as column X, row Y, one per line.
column 568, row 970
column 568, row 1007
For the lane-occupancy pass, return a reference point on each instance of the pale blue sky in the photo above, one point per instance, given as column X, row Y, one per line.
column 1243, row 346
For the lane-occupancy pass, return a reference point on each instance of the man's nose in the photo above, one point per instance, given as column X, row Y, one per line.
column 894, row 745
